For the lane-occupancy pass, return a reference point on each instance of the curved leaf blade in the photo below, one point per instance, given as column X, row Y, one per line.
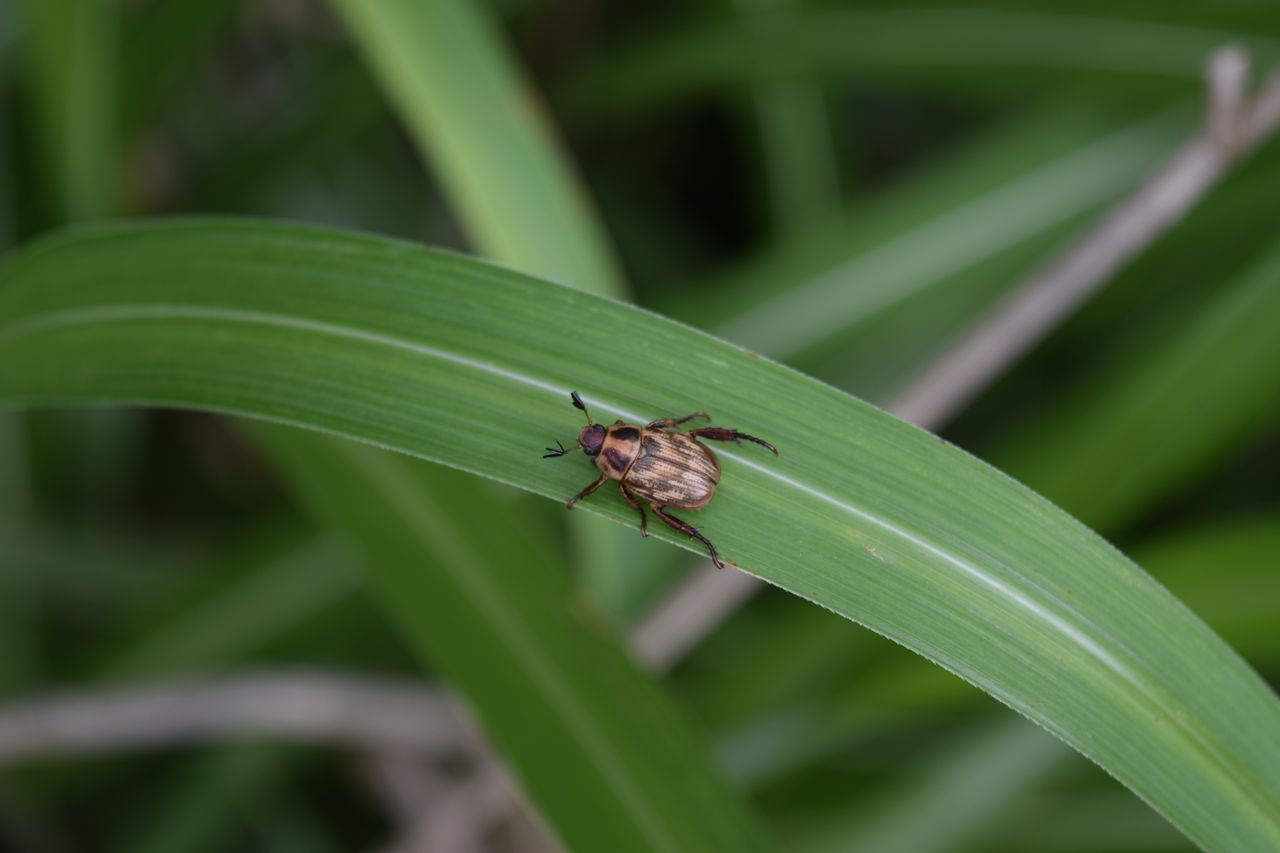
column 447, row 358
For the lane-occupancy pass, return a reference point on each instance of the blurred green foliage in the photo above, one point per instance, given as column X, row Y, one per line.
column 843, row 186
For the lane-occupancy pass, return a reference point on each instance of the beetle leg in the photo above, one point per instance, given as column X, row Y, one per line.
column 604, row 478
column 635, row 504
column 662, row 423
column 689, row 530
column 722, row 434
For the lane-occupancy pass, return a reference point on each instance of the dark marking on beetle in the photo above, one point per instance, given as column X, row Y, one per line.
column 626, row 433
column 617, row 458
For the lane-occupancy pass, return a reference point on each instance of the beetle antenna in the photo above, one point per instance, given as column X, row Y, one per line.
column 553, row 453
column 577, row 401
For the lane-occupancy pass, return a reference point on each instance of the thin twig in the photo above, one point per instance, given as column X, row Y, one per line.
column 405, row 783
column 400, row 726
column 366, row 714
column 1040, row 303
column 705, row 598
column 1228, row 75
column 460, row 815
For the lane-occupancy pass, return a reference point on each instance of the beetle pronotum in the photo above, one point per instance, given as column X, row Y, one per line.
column 656, row 465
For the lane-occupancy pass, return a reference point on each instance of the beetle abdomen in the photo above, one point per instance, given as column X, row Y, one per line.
column 673, row 470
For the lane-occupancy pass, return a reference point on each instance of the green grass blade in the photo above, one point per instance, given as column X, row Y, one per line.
column 998, row 49
column 466, row 109
column 470, row 115
column 801, row 171
column 797, row 143
column 960, row 794
column 201, row 807
column 1226, row 569
column 8, row 176
column 597, row 744
column 158, row 50
column 1021, row 185
column 71, row 52
column 20, row 604
column 450, row 359
column 264, row 588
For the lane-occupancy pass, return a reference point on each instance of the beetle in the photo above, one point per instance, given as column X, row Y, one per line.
column 657, row 465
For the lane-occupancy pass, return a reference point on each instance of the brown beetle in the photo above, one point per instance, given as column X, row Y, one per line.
column 657, row 465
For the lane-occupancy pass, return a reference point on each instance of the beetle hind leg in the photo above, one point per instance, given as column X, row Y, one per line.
column 689, row 530
column 664, row 423
column 635, row 504
column 722, row 434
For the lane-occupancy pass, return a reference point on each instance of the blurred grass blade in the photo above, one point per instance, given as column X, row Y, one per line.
column 20, row 604
column 71, row 54
column 1227, row 570
column 159, row 47
column 451, row 359
column 8, row 176
column 595, row 741
column 796, row 140
column 211, row 797
column 466, row 109
column 470, row 115
column 796, row 150
column 1163, row 415
column 866, row 303
column 15, row 488
column 264, row 587
column 944, row 47
column 1072, row 822
column 967, row 785
column 902, row 253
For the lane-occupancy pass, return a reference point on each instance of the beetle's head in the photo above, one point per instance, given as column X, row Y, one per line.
column 590, row 439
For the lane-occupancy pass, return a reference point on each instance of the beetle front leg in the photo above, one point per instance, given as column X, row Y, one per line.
column 688, row 530
column 635, row 504
column 604, row 478
column 722, row 434
column 666, row 423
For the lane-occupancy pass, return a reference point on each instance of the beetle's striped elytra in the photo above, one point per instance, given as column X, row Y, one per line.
column 674, row 470
column 657, row 465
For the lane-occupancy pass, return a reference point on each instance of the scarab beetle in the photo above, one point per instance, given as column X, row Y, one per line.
column 657, row 465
